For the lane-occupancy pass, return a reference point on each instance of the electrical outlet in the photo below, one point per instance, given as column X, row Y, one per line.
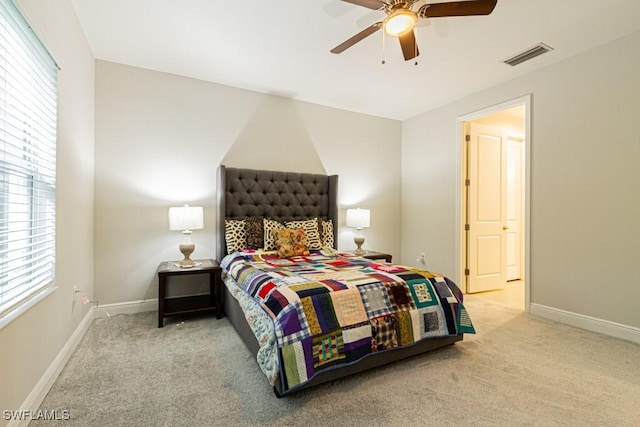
column 421, row 259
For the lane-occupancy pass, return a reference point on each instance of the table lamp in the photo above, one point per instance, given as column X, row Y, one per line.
column 358, row 219
column 186, row 218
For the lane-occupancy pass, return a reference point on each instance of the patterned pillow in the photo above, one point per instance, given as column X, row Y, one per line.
column 255, row 233
column 290, row 242
column 269, row 225
column 311, row 229
column 327, row 234
column 235, row 235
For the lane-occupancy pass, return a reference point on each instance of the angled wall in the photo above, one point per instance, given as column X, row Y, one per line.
column 159, row 141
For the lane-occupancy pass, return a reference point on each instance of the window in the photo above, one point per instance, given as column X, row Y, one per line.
column 27, row 165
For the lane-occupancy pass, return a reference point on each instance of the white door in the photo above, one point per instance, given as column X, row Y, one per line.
column 486, row 208
column 515, row 208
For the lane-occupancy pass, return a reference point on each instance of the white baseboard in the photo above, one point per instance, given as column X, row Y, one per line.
column 593, row 324
column 39, row 392
column 131, row 307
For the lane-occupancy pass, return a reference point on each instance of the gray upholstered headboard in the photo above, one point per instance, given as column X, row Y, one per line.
column 282, row 196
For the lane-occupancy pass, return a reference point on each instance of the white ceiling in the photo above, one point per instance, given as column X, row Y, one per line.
column 282, row 47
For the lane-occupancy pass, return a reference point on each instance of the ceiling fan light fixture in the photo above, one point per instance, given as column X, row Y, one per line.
column 400, row 22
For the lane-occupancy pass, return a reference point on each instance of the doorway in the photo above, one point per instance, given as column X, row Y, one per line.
column 494, row 202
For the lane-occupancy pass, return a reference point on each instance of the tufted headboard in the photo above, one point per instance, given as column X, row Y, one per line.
column 282, row 196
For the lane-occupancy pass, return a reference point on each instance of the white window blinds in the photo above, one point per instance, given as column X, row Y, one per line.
column 27, row 162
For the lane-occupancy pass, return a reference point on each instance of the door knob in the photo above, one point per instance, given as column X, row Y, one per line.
column 504, row 227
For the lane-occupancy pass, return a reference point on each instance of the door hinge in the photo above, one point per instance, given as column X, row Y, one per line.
column 467, row 182
column 467, row 138
column 466, row 227
column 466, row 272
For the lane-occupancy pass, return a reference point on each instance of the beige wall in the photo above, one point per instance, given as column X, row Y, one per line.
column 584, row 175
column 160, row 138
column 30, row 343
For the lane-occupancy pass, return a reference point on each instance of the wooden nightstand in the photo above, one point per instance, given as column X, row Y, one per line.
column 373, row 255
column 171, row 306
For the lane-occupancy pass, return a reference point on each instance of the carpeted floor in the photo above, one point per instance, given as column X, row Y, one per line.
column 518, row 370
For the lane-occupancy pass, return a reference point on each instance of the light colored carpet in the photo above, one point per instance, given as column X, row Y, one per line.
column 518, row 370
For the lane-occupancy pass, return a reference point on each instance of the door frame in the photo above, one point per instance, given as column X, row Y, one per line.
column 460, row 247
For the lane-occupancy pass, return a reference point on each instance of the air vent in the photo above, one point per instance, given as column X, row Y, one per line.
column 528, row 54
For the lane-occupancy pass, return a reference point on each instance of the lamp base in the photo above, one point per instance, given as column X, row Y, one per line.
column 359, row 240
column 187, row 249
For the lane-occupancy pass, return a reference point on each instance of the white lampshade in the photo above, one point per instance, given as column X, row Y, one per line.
column 358, row 218
column 186, row 218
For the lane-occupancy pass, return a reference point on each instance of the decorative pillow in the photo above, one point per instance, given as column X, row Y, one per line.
column 255, row 233
column 311, row 229
column 269, row 225
column 327, row 234
column 290, row 242
column 235, row 235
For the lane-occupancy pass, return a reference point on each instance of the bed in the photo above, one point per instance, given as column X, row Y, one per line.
column 299, row 312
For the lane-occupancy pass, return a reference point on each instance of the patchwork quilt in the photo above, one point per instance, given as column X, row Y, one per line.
column 329, row 308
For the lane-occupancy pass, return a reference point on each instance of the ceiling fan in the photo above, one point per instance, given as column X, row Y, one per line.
column 401, row 19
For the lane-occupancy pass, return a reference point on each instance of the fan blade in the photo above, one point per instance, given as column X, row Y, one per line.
column 370, row 4
column 358, row 37
column 457, row 8
column 409, row 45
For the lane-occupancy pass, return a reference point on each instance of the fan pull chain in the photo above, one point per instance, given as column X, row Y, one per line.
column 415, row 45
column 383, row 39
